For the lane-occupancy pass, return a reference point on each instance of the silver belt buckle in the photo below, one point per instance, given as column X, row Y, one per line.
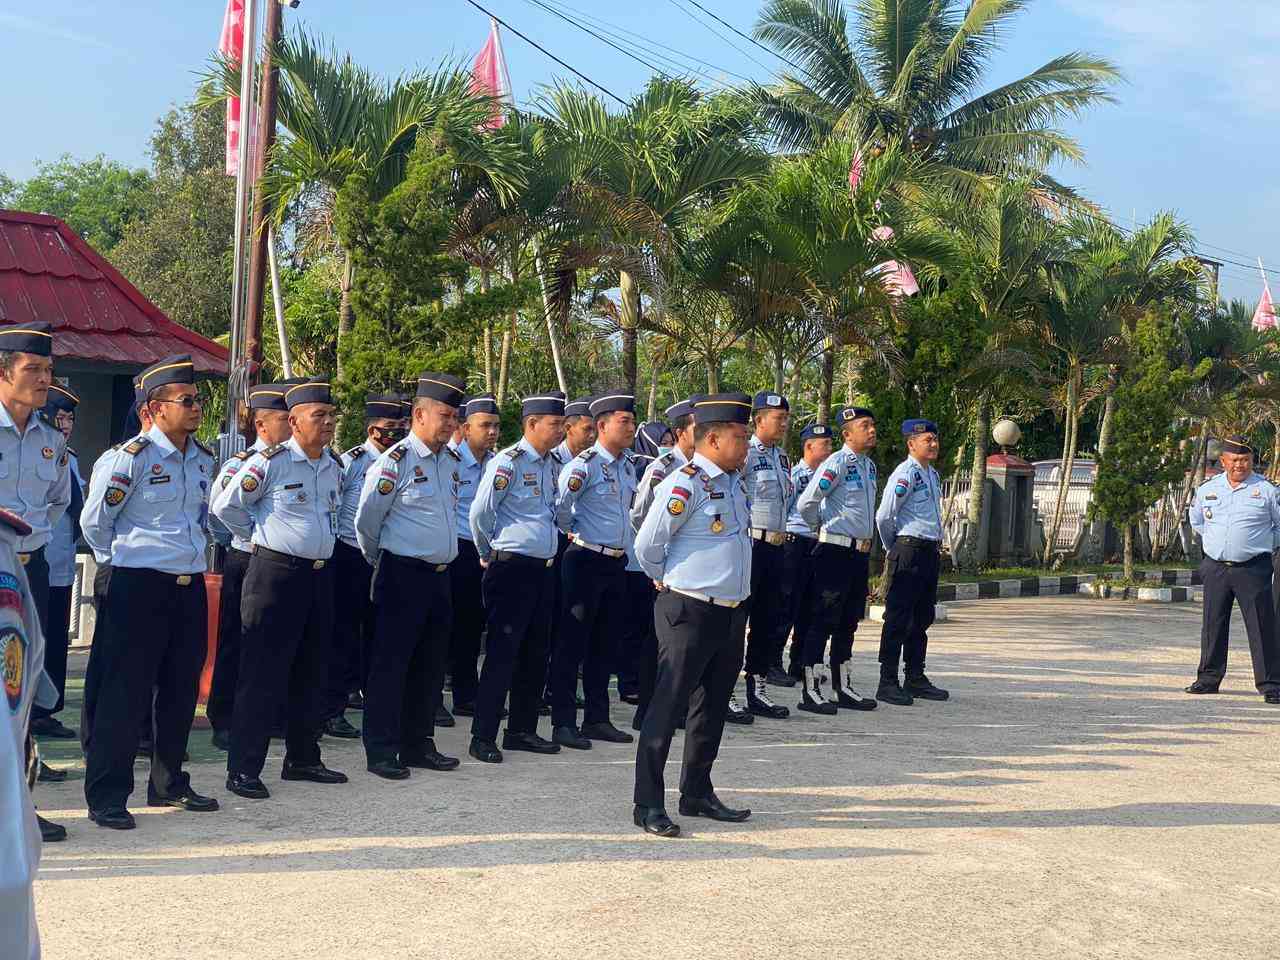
column 864, row 546
column 183, row 580
column 317, row 564
column 550, row 561
column 441, row 567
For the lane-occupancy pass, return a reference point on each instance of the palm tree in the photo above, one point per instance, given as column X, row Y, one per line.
column 908, row 70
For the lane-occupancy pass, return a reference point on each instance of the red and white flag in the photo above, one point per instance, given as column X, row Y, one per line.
column 489, row 75
column 1264, row 318
column 231, row 46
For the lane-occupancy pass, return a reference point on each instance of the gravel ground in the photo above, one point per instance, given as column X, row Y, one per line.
column 1069, row 801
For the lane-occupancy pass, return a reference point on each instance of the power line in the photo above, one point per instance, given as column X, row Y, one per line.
column 609, row 43
column 533, row 43
column 692, row 16
column 746, row 36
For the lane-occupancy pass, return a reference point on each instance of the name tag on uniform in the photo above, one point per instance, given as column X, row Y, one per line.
column 163, row 478
column 420, row 479
column 717, row 494
column 1211, row 496
column 293, row 486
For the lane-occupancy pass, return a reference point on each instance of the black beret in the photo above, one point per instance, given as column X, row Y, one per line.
column 912, row 428
column 723, row 408
column 815, row 431
column 768, row 400
column 176, row 369
column 268, row 396
column 610, row 402
column 444, row 387
column 34, row 338
column 482, row 403
column 309, row 391
column 849, row 414
column 550, row 403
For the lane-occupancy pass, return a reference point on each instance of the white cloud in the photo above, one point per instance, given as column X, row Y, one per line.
column 55, row 32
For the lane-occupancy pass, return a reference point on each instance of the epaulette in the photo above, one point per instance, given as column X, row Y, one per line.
column 356, row 452
column 72, row 450
column 689, row 470
column 244, row 454
column 137, row 445
column 586, row 454
column 555, row 455
column 396, row 453
column 201, row 446
column 271, row 451
column 515, row 451
column 667, row 458
column 336, row 459
column 453, row 453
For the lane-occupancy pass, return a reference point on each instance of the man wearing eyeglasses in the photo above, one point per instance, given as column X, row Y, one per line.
column 145, row 515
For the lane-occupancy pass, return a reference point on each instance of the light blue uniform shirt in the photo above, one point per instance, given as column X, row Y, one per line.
column 34, row 480
column 409, row 503
column 147, row 505
column 801, row 474
column 470, row 470
column 60, row 552
column 285, row 502
column 563, row 453
column 356, row 463
column 514, row 508
column 697, row 537
column 1239, row 524
column 223, row 480
column 842, row 499
column 654, row 474
column 911, row 505
column 595, row 494
column 768, row 474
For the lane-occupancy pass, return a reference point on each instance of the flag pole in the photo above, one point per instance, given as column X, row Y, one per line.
column 1263, row 270
column 502, row 60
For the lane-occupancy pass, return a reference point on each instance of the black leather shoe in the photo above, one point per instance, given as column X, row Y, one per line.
column 779, row 677
column 427, row 757
column 355, row 701
column 1271, row 696
column 738, row 713
column 486, row 751
column 389, row 770
column 711, row 808
column 339, row 727
column 1201, row 686
column 51, row 832
column 528, row 742
column 52, row 727
column 222, row 740
column 570, row 737
column 847, row 702
column 630, row 697
column 251, row 788
column 464, row 709
column 890, row 692
column 922, row 688
column 759, row 703
column 49, row 775
column 113, row 819
column 607, row 732
column 444, row 718
column 188, row 799
column 655, row 820
column 144, row 749
column 313, row 772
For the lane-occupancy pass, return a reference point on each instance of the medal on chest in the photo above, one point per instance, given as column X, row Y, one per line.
column 717, row 525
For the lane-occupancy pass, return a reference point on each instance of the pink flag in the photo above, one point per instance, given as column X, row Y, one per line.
column 855, row 170
column 231, row 46
column 897, row 278
column 1264, row 318
column 489, row 75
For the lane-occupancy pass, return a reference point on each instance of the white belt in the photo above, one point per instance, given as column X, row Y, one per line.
column 596, row 548
column 705, row 598
column 768, row 536
column 840, row 540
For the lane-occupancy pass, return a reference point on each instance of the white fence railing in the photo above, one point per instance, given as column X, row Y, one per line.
column 1079, row 496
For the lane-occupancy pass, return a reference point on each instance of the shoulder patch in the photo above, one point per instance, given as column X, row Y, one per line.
column 272, row 451
column 137, row 445
column 689, row 470
column 453, row 453
column 356, row 452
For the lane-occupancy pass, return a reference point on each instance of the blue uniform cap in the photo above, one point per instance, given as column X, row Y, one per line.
column 683, row 408
column 550, row 403
column 444, row 387
column 176, row 369
column 911, row 428
column 267, row 396
column 386, row 406
column 849, row 414
column 580, row 407
column 768, row 400
column 310, row 391
column 611, row 402
column 814, row 431
column 34, row 338
column 482, row 403
column 1234, row 444
column 723, row 408
column 60, row 398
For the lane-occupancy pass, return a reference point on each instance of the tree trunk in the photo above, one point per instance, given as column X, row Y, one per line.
column 346, row 316
column 1273, row 468
column 629, row 319
column 780, row 369
column 713, row 376
column 977, row 482
column 1068, row 461
column 553, row 335
column 828, row 381
column 487, row 343
column 508, row 339
column 1104, row 429
column 848, row 383
column 1128, row 551
column 653, row 396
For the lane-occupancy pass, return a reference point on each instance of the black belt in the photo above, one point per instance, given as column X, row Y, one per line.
column 288, row 559
column 919, row 542
column 1244, row 563
column 417, row 562
column 507, row 555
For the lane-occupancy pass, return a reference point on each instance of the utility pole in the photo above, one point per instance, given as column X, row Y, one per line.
column 261, row 236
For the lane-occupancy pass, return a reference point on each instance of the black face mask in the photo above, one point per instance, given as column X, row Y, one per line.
column 387, row 436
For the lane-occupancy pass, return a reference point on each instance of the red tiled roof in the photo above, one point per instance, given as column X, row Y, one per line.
column 49, row 273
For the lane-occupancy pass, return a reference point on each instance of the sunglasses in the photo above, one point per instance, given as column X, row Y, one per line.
column 189, row 401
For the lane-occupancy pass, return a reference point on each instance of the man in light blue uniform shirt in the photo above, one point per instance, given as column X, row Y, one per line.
column 480, row 425
column 286, row 503
column 910, row 525
column 768, row 475
column 579, row 435
column 513, row 527
column 839, row 503
column 1237, row 515
column 145, row 515
column 593, row 510
column 696, row 543
column 269, row 420
column 797, row 562
column 385, row 419
column 407, row 526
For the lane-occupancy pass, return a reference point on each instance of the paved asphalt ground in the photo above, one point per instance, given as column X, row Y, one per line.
column 1068, row 802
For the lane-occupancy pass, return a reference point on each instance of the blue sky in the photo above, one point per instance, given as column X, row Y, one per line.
column 1194, row 130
